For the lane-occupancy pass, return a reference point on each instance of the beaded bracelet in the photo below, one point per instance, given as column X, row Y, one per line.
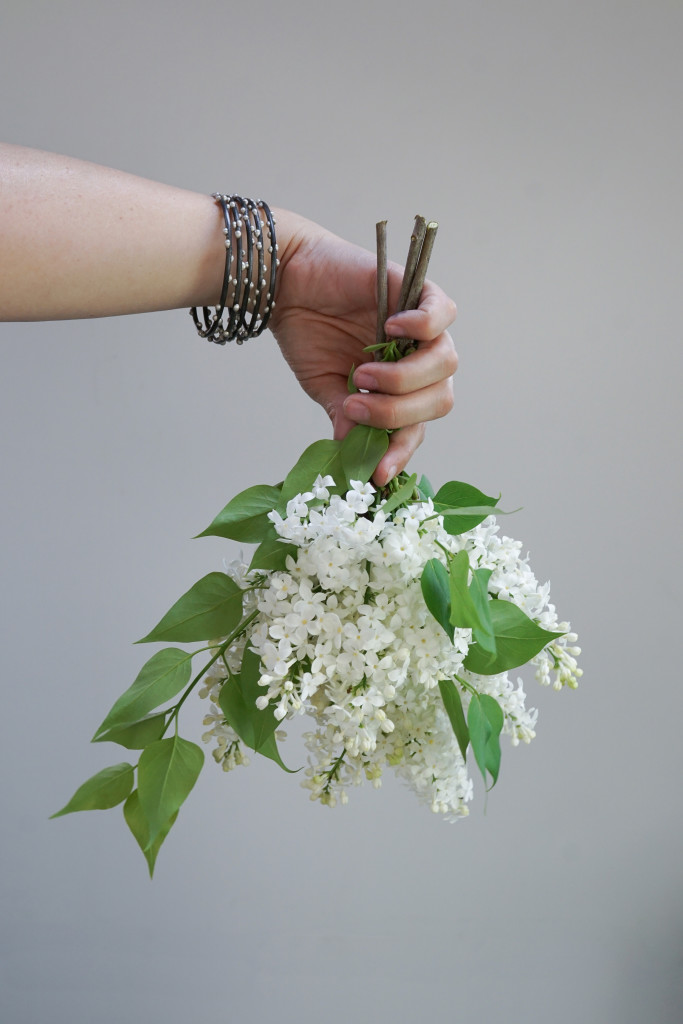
column 244, row 233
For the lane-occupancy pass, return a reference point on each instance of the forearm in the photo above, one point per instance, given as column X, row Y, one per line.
column 81, row 240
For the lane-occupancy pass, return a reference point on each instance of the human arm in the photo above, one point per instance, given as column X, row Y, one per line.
column 81, row 240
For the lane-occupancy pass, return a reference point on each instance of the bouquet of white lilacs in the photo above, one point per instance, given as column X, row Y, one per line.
column 392, row 619
column 368, row 629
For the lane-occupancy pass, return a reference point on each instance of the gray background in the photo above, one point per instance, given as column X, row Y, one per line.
column 545, row 137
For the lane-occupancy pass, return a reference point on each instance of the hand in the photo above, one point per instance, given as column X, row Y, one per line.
column 326, row 314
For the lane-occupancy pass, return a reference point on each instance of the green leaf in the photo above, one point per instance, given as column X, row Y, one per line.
column 106, row 789
column 271, row 554
column 518, row 639
column 456, row 495
column 167, row 771
column 402, row 496
column 350, row 386
column 159, row 679
column 322, row 458
column 436, row 592
column 464, row 613
column 425, row 488
column 479, row 592
column 237, row 700
column 137, row 823
column 361, row 451
column 485, row 721
column 211, row 608
column 450, row 695
column 245, row 517
column 137, row 735
column 269, row 749
column 480, row 730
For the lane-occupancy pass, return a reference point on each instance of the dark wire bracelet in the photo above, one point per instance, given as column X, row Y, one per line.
column 274, row 261
column 236, row 281
column 240, row 308
column 212, row 328
column 251, row 329
column 237, row 290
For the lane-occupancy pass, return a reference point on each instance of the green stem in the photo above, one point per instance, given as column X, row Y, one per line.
column 466, row 685
column 219, row 653
column 449, row 554
column 334, row 771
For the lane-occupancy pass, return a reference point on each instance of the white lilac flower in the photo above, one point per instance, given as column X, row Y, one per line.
column 344, row 636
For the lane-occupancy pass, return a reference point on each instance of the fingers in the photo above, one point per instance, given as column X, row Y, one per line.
column 416, row 388
column 435, row 314
column 402, row 445
column 393, row 411
column 433, row 362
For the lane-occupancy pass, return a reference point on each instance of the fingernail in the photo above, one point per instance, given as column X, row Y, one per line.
column 391, row 473
column 365, row 380
column 356, row 410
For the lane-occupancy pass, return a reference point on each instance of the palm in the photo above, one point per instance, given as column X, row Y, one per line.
column 326, row 315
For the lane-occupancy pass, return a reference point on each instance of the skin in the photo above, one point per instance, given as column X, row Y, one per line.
column 80, row 240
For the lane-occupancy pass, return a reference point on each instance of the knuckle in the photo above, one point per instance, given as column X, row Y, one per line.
column 450, row 356
column 392, row 417
column 445, row 401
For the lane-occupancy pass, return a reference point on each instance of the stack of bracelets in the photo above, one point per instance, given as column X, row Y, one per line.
column 247, row 298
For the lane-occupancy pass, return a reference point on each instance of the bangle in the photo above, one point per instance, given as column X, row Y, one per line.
column 249, row 240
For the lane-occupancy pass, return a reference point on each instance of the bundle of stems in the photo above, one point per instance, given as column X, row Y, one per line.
column 415, row 273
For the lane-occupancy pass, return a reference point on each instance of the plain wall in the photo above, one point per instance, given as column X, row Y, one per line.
column 545, row 138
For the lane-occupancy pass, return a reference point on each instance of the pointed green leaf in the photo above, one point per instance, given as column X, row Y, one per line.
column 271, row 555
column 402, row 496
column 137, row 823
column 167, row 771
column 245, row 517
column 159, row 679
column 450, row 695
column 480, row 730
column 211, row 608
column 135, row 736
column 322, row 458
column 436, row 592
column 456, row 495
column 518, row 640
column 237, row 700
column 425, row 488
column 361, row 451
column 485, row 720
column 269, row 748
column 494, row 713
column 350, row 386
column 106, row 789
column 479, row 592
column 376, row 347
column 463, row 610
